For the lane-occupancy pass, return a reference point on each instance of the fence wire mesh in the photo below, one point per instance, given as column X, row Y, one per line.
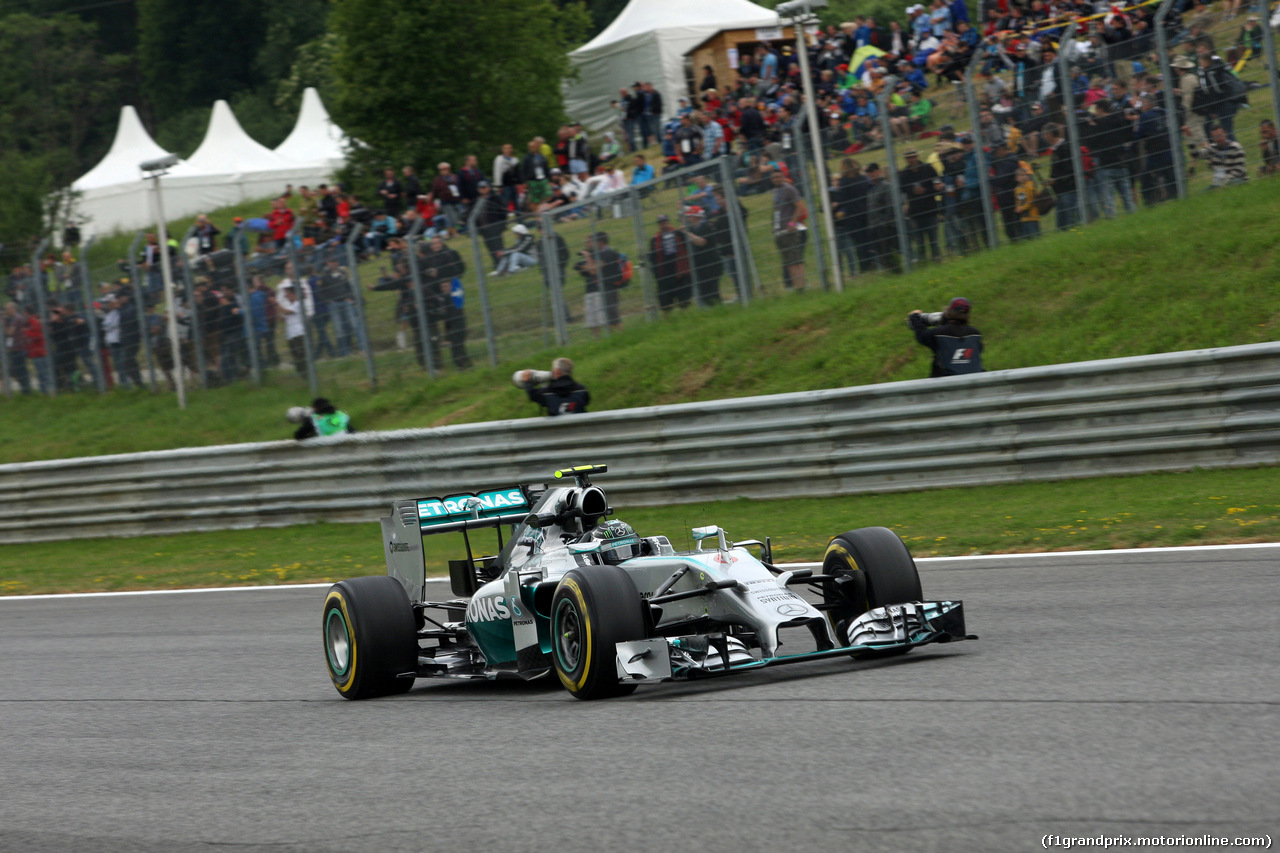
column 1057, row 127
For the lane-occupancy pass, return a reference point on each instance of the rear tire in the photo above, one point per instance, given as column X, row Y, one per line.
column 593, row 610
column 888, row 574
column 370, row 637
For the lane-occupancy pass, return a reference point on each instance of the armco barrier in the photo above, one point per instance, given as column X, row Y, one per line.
column 1206, row 408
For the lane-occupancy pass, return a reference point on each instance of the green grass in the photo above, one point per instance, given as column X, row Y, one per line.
column 1191, row 508
column 1195, row 274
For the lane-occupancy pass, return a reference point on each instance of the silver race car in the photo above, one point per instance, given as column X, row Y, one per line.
column 605, row 609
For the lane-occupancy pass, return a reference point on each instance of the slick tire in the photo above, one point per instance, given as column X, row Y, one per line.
column 593, row 610
column 887, row 573
column 370, row 637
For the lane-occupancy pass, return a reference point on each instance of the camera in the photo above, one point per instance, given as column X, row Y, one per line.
column 537, row 377
column 933, row 318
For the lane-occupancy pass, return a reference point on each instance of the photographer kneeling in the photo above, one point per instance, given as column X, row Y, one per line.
column 562, row 395
column 957, row 346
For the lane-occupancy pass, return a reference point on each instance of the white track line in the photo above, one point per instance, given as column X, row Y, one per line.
column 1033, row 555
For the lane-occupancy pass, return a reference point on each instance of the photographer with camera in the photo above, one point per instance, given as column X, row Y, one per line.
column 957, row 346
column 561, row 395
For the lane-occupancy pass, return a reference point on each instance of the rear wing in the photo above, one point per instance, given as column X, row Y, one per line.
column 412, row 520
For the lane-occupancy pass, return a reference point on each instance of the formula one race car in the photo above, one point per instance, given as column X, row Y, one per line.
column 607, row 609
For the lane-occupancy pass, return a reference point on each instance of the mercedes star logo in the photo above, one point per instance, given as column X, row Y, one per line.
column 792, row 609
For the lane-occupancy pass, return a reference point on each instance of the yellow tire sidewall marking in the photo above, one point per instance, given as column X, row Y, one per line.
column 343, row 686
column 585, row 656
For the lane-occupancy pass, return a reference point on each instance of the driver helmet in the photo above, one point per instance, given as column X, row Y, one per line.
column 618, row 541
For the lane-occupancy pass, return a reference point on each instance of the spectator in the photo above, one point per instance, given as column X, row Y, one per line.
column 561, row 267
column 920, row 187
column 562, row 395
column 705, row 235
column 442, row 270
column 322, row 419
column 1269, row 142
column 535, row 173
column 292, row 306
column 1062, row 177
column 882, row 223
column 650, row 114
column 957, row 346
column 334, row 303
column 263, row 308
column 669, row 260
column 405, row 310
column 446, row 192
column 491, row 219
column 391, row 192
column 469, row 181
column 1109, row 138
column 206, row 235
column 1225, row 157
column 849, row 205
column 279, row 222
column 631, row 104
column 642, row 172
column 1025, row 205
column 38, row 352
column 520, row 256
column 602, row 275
column 126, row 356
column 789, row 215
column 506, row 176
column 13, row 330
column 412, row 187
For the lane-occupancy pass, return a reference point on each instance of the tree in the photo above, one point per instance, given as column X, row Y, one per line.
column 59, row 100
column 192, row 54
column 438, row 79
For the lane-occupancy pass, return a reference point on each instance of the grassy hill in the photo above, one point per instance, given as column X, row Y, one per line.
column 1195, row 274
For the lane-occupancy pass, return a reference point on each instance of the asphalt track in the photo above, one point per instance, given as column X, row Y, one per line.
column 1111, row 694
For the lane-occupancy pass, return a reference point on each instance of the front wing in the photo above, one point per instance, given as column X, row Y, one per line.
column 882, row 630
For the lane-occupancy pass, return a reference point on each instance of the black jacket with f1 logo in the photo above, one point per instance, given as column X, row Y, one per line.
column 957, row 349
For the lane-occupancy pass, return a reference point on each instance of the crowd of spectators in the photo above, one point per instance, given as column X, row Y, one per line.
column 914, row 68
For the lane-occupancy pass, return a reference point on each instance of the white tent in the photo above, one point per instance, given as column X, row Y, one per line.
column 132, row 146
column 113, row 196
column 229, row 167
column 228, row 150
column 315, row 140
column 647, row 42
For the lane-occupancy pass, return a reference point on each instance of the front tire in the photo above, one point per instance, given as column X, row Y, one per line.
column 592, row 611
column 370, row 637
column 874, row 568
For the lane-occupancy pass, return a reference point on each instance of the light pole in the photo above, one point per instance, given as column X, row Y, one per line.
column 155, row 169
column 800, row 12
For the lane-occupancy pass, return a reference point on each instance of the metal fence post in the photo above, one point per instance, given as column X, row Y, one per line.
column 473, row 229
column 300, row 286
column 1273, row 73
column 979, row 150
column 42, row 306
column 194, row 311
column 895, row 188
column 1170, row 103
column 357, row 296
column 246, row 307
column 419, row 299
column 139, row 299
column 799, row 134
column 551, row 267
column 1073, row 137
column 742, row 255
column 95, row 337
column 641, row 264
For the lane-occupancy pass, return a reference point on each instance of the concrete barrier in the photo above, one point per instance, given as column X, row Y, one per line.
column 1204, row 408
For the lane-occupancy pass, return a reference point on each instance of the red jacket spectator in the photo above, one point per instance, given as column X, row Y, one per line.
column 280, row 221
column 34, row 334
